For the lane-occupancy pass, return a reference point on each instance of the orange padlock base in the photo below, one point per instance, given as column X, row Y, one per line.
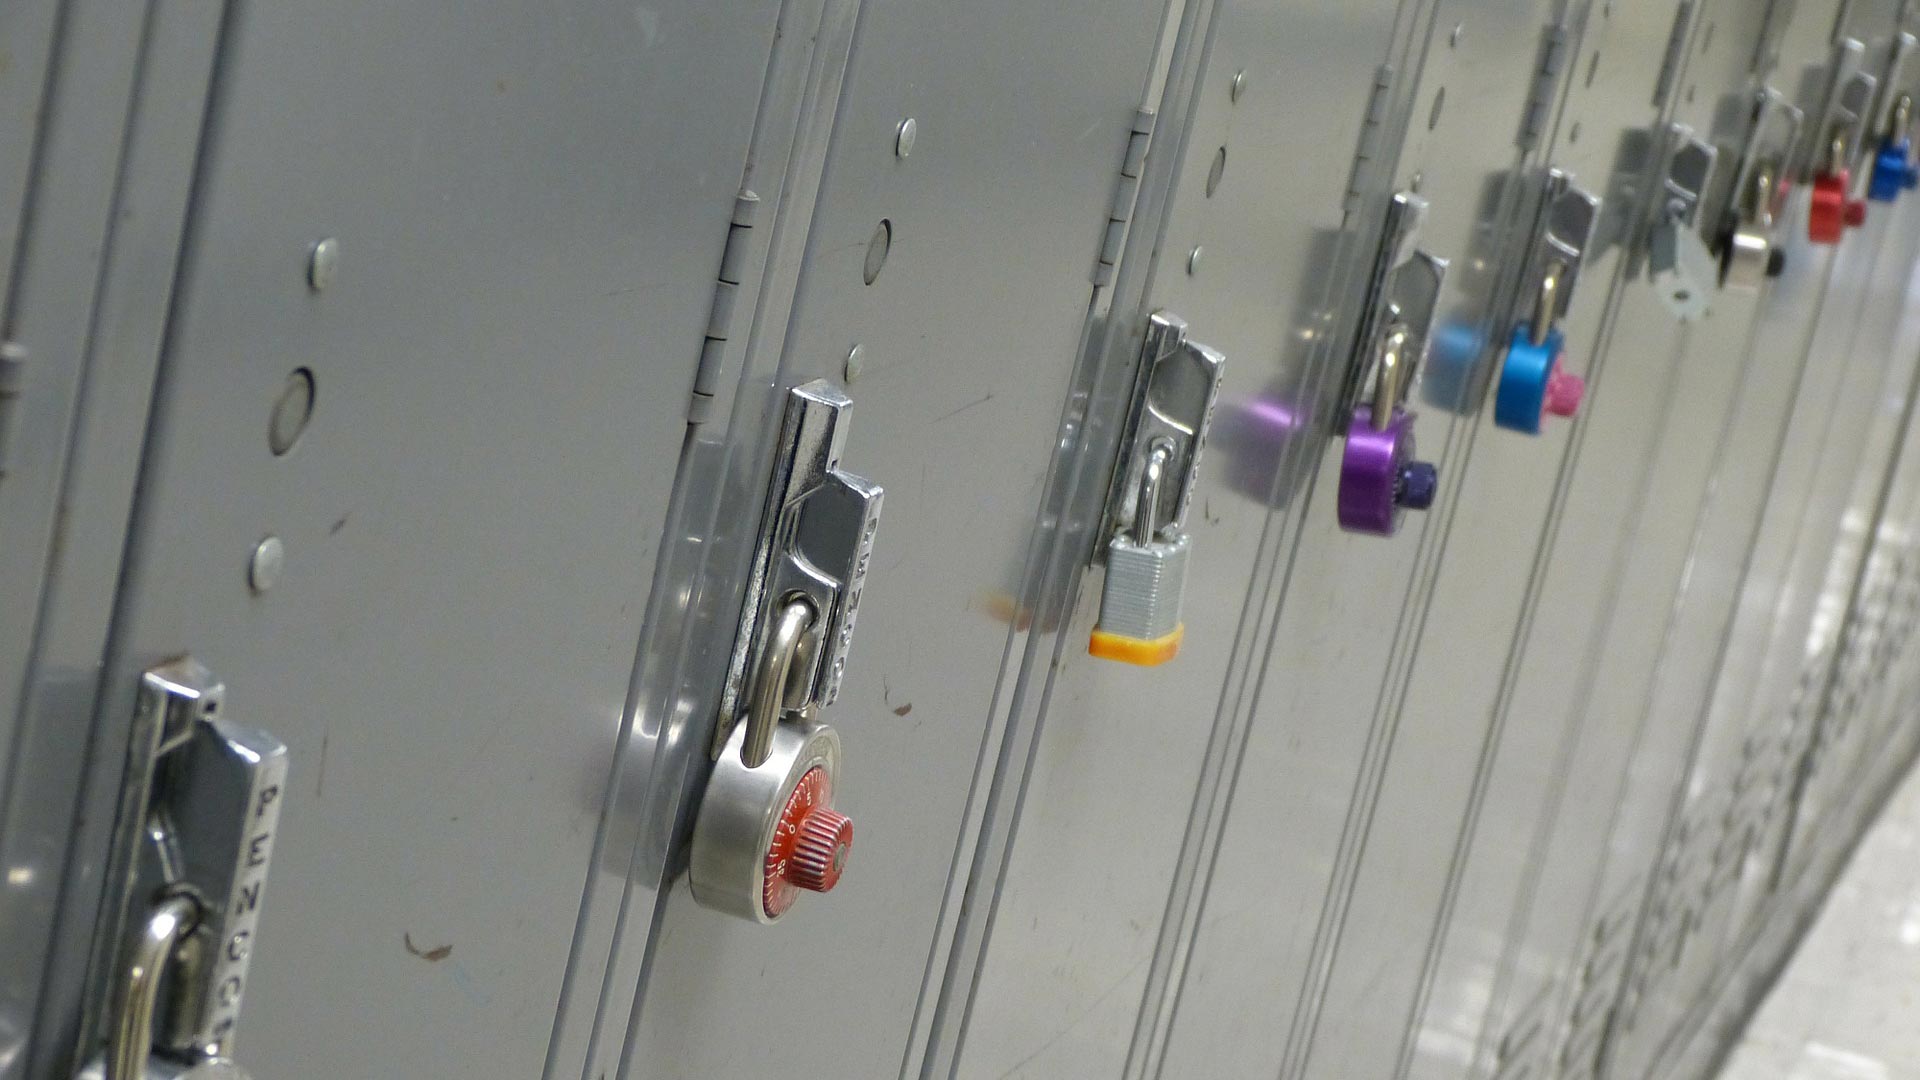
column 1145, row 652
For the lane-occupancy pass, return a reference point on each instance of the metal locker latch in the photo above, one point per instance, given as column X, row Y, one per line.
column 1379, row 476
column 1837, row 139
column 1749, row 251
column 1679, row 265
column 1533, row 379
column 1176, row 386
column 766, row 827
column 195, row 835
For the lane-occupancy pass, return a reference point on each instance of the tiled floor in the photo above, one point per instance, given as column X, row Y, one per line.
column 1848, row 1005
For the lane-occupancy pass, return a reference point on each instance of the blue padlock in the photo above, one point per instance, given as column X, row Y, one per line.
column 1532, row 383
column 1893, row 171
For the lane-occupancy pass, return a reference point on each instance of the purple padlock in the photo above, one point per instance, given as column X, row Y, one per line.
column 1379, row 477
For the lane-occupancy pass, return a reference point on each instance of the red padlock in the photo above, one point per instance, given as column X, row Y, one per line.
column 1832, row 213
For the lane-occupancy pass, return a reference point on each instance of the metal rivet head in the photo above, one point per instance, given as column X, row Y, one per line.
column 903, row 137
column 1239, row 85
column 323, row 264
column 1193, row 259
column 856, row 362
column 269, row 558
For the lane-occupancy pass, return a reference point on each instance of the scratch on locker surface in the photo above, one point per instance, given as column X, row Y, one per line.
column 320, row 774
column 969, row 405
column 339, row 523
column 431, row 956
column 1092, row 1007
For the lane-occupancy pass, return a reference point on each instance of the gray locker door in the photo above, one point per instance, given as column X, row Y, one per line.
column 1754, row 469
column 529, row 206
column 1737, row 738
column 968, row 336
column 1492, row 72
column 1635, row 489
column 1507, row 847
column 1073, row 987
column 1320, row 765
column 90, row 274
column 1721, row 831
column 1676, row 881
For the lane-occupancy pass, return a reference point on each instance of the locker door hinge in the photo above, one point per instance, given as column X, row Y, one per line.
column 1132, row 164
column 726, row 289
column 1372, row 132
column 1676, row 53
column 1546, row 78
column 13, row 384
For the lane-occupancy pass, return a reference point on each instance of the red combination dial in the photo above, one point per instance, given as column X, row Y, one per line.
column 1832, row 212
column 809, row 846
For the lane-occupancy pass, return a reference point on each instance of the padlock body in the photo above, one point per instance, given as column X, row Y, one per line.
column 1140, row 606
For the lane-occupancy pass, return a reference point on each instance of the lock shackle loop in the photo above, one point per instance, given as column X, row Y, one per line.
column 1390, row 375
column 1146, row 509
column 1902, row 117
column 1549, row 295
column 1837, row 151
column 770, row 679
column 150, row 949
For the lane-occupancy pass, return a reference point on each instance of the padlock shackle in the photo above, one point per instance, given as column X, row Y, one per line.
column 1391, row 375
column 151, row 948
column 1146, row 507
column 1543, row 315
column 768, row 696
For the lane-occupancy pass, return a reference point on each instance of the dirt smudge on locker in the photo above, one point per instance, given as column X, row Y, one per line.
column 431, row 956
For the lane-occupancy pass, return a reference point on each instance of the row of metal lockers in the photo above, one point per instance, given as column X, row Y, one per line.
column 442, row 454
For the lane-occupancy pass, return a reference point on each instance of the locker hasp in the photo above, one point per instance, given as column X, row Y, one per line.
column 767, row 829
column 1175, row 390
column 1379, row 477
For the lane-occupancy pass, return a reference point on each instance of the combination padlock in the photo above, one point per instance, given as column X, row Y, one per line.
column 767, row 829
column 1534, row 382
column 1379, row 475
column 1380, row 478
column 1177, row 383
column 1893, row 167
column 1833, row 209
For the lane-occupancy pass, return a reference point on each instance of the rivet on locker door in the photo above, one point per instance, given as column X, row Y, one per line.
column 1534, row 381
column 1380, row 476
column 1176, row 385
column 767, row 828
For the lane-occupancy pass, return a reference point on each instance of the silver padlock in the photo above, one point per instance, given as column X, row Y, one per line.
column 1147, row 554
column 1680, row 266
column 1146, row 579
